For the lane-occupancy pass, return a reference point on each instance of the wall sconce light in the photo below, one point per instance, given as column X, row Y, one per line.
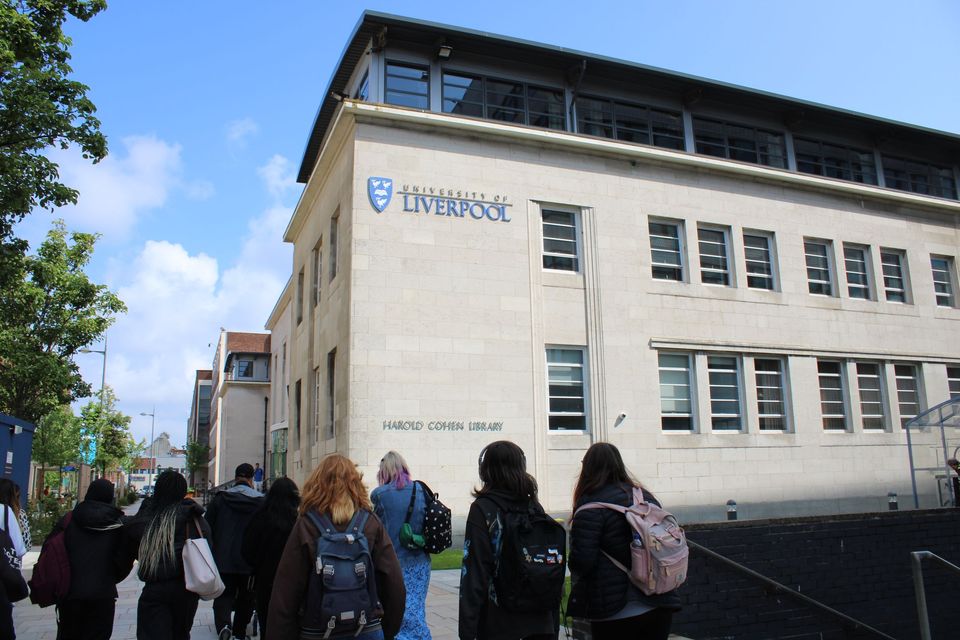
column 445, row 52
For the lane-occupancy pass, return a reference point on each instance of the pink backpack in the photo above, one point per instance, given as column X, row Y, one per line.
column 659, row 550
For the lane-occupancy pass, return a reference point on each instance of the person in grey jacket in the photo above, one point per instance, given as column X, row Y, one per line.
column 229, row 514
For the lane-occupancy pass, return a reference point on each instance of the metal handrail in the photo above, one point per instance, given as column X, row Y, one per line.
column 852, row 623
column 916, row 558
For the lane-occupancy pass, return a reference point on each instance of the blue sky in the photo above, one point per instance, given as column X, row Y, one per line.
column 207, row 107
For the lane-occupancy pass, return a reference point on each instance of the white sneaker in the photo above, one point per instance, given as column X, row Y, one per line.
column 225, row 634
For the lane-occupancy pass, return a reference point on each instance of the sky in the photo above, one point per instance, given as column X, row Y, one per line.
column 207, row 107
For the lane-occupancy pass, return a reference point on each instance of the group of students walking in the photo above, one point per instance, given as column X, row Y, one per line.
column 283, row 556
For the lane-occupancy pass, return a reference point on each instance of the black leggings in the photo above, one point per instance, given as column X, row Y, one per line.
column 653, row 625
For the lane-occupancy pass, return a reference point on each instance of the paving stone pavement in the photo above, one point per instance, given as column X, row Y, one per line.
column 33, row 623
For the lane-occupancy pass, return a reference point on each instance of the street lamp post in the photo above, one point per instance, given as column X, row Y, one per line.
column 153, row 459
column 103, row 385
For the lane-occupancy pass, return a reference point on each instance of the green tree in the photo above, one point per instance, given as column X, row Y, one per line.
column 50, row 312
column 41, row 107
column 106, row 433
column 197, row 457
column 56, row 441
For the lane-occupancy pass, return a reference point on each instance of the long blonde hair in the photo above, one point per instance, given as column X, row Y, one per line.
column 335, row 487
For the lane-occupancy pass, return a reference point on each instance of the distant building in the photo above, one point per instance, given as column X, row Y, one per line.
column 239, row 409
column 749, row 294
column 160, row 456
column 278, row 324
column 198, row 425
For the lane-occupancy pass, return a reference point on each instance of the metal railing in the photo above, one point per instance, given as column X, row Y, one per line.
column 851, row 624
column 916, row 560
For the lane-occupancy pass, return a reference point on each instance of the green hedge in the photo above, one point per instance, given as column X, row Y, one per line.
column 43, row 514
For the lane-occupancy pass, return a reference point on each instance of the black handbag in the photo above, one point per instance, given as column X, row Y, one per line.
column 13, row 583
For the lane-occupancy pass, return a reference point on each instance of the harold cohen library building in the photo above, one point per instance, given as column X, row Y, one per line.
column 748, row 294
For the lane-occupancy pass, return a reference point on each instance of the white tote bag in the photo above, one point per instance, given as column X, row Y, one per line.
column 199, row 569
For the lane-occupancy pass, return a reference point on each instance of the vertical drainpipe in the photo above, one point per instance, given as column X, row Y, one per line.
column 573, row 94
column 266, row 431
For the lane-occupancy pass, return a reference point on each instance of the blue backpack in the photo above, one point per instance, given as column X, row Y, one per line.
column 342, row 591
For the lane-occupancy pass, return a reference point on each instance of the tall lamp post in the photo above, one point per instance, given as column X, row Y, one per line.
column 153, row 458
column 103, row 386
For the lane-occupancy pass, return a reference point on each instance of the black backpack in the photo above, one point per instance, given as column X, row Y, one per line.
column 437, row 529
column 532, row 562
column 342, row 591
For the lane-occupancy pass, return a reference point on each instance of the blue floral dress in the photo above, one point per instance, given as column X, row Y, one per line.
column 390, row 504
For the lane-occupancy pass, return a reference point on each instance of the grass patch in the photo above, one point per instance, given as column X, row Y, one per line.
column 449, row 559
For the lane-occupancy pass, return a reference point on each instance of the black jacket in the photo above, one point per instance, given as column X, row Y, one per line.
column 599, row 588
column 480, row 617
column 229, row 514
column 95, row 547
column 263, row 544
column 189, row 516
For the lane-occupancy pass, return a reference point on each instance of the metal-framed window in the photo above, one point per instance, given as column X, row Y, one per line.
column 953, row 382
column 919, row 177
column 561, row 244
column 894, row 283
column 714, row 267
column 739, row 142
column 567, row 394
column 723, row 373
column 943, row 283
column 908, row 392
column 666, row 250
column 407, row 85
column 832, row 403
column 835, row 161
column 334, row 243
column 771, row 404
column 676, row 402
column 819, row 278
column 363, row 87
column 317, row 272
column 299, row 301
column 245, row 368
column 855, row 265
column 504, row 100
column 317, row 412
column 758, row 257
column 331, row 393
column 629, row 122
column 870, row 384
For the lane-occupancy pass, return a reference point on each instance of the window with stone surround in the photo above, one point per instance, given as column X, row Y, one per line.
column 855, row 259
column 567, row 395
column 726, row 413
column 833, row 406
column 758, row 255
column 870, row 383
column 819, row 271
column 561, row 240
column 676, row 399
column 908, row 391
column 771, row 401
column 666, row 249
column 714, row 265
column 953, row 382
column 894, row 281
column 944, row 286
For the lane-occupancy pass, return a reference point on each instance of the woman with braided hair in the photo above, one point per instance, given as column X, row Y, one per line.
column 156, row 537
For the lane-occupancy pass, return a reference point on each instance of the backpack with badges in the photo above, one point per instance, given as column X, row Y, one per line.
column 437, row 528
column 342, row 596
column 658, row 553
column 532, row 563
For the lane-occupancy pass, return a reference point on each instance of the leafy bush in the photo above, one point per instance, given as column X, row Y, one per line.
column 43, row 514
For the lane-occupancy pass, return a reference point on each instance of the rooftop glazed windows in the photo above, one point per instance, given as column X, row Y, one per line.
column 919, row 177
column 407, row 85
column 835, row 161
column 630, row 123
column 739, row 142
column 504, row 100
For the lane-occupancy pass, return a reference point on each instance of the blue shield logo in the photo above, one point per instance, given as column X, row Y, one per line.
column 380, row 191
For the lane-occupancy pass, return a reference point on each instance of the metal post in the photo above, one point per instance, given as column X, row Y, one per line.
column 915, row 558
column 731, row 509
column 913, row 469
column 892, row 504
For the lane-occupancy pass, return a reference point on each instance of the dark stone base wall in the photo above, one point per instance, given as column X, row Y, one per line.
column 858, row 564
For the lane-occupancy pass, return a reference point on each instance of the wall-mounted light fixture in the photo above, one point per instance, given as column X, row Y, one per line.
column 445, row 52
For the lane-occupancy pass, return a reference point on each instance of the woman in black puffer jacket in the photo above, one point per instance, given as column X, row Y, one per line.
column 602, row 593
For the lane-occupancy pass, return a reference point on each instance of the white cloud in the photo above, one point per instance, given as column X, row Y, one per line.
column 121, row 187
column 278, row 176
column 239, row 130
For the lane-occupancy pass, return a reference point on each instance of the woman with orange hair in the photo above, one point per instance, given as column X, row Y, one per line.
column 312, row 594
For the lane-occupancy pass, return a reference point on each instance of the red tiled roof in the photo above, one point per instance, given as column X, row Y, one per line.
column 238, row 342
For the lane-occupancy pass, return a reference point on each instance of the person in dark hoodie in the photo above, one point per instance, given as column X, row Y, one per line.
column 505, row 481
column 166, row 609
column 229, row 514
column 95, row 548
column 265, row 538
column 602, row 593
